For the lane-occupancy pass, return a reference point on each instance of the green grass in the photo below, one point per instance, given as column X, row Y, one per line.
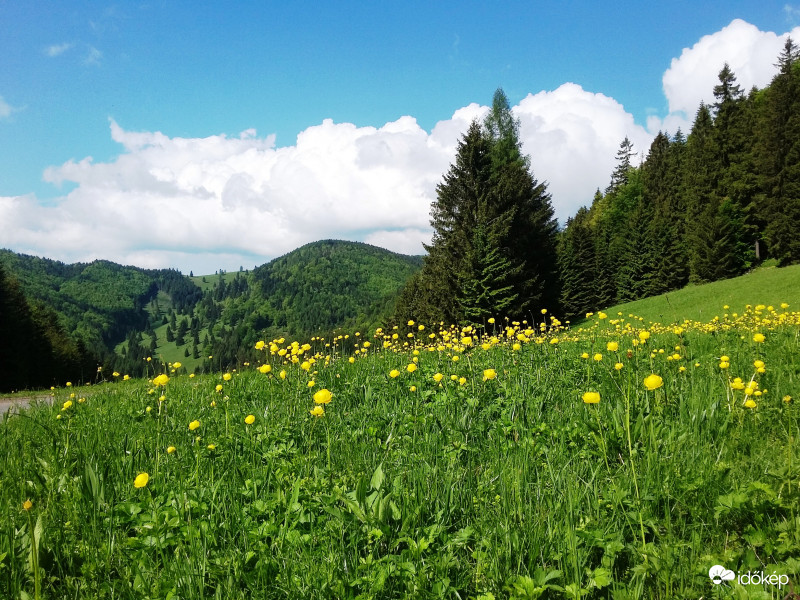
column 170, row 352
column 212, row 280
column 765, row 285
column 504, row 487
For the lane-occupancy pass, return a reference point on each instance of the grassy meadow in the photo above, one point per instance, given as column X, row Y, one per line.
column 523, row 460
column 768, row 283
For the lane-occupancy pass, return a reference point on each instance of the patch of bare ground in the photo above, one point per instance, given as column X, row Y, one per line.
column 12, row 404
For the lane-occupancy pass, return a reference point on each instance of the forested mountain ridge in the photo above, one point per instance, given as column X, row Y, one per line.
column 313, row 290
column 102, row 313
column 101, row 301
column 333, row 283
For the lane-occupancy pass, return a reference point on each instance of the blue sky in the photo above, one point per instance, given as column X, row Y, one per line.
column 112, row 112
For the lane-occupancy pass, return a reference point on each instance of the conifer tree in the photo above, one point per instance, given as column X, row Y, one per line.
column 700, row 180
column 524, row 219
column 733, row 190
column 620, row 175
column 576, row 261
column 637, row 267
column 494, row 244
column 604, row 267
column 462, row 203
column 661, row 190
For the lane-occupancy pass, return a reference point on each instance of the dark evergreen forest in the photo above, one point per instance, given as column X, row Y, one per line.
column 702, row 207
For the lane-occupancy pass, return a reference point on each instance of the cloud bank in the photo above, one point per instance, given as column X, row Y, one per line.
column 220, row 202
column 691, row 77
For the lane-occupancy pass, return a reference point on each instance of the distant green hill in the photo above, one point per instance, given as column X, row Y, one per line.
column 331, row 284
column 124, row 314
column 314, row 290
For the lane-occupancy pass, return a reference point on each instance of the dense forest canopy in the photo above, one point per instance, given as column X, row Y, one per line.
column 702, row 207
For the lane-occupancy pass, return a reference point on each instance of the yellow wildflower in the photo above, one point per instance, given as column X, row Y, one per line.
column 323, row 396
column 591, row 397
column 653, row 382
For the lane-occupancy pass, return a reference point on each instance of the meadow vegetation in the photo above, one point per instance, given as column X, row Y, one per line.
column 511, row 460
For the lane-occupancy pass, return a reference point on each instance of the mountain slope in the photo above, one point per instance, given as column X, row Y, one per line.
column 98, row 302
column 331, row 284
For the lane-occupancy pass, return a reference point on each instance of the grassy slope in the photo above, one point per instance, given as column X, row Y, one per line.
column 211, row 280
column 169, row 352
column 767, row 285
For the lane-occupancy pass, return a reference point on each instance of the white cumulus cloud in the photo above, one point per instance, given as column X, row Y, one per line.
column 691, row 77
column 573, row 136
column 219, row 201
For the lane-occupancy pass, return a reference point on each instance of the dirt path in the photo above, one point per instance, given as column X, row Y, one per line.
column 13, row 404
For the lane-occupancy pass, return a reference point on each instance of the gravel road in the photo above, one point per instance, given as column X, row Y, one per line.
column 11, row 405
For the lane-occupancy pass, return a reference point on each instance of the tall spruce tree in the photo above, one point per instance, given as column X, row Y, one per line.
column 525, row 225
column 576, row 262
column 734, row 190
column 620, row 175
column 493, row 250
column 660, row 189
column 700, row 184
column 462, row 203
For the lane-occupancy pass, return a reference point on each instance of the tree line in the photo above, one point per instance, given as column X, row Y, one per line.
column 699, row 208
column 702, row 207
